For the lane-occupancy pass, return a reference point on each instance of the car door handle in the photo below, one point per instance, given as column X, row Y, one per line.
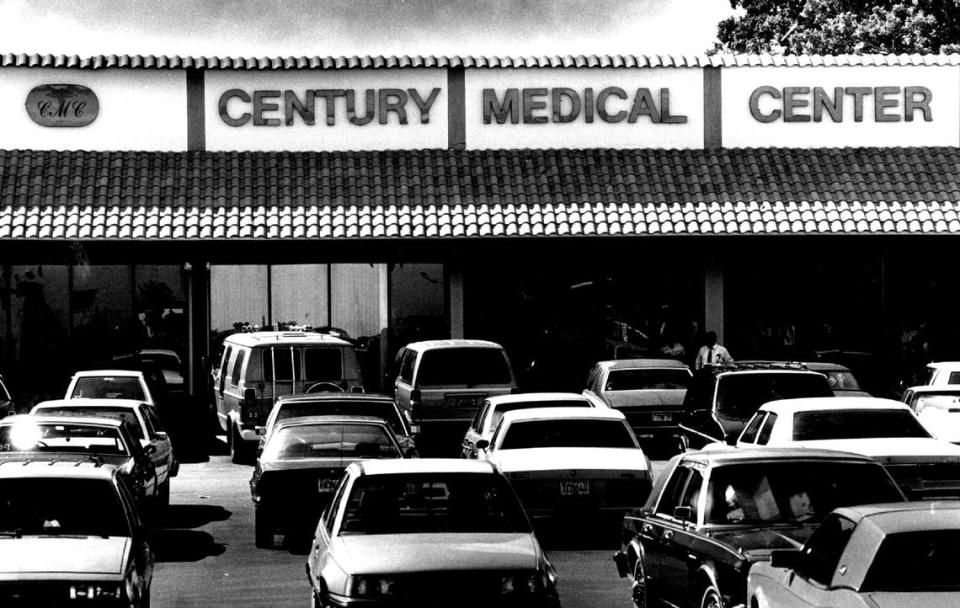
column 668, row 535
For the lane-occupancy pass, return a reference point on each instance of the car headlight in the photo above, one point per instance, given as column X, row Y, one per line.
column 96, row 592
column 525, row 582
column 373, row 586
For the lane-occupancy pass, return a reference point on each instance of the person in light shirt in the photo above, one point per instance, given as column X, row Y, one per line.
column 711, row 353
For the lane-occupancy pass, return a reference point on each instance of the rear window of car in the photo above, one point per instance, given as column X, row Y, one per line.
column 567, row 433
column 27, row 436
column 646, row 379
column 383, row 410
column 855, row 424
column 127, row 415
column 466, row 367
column 916, row 562
column 108, row 387
column 48, row 506
column 526, row 405
column 842, row 380
column 431, row 503
column 349, row 441
column 741, row 395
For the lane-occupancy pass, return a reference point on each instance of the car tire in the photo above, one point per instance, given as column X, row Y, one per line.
column 711, row 598
column 145, row 599
column 640, row 590
column 262, row 529
column 238, row 451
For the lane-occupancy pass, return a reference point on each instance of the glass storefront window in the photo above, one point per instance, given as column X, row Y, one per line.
column 417, row 310
column 37, row 324
column 299, row 295
column 238, row 299
column 355, row 299
column 101, row 304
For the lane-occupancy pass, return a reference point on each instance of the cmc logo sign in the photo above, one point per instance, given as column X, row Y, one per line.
column 62, row 105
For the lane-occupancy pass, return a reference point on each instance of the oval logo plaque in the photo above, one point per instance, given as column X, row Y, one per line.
column 62, row 105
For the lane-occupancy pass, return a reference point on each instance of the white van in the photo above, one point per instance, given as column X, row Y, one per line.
column 257, row 367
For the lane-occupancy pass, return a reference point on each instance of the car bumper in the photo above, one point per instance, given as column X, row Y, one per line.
column 461, row 602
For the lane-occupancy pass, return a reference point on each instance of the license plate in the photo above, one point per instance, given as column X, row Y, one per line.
column 466, row 401
column 662, row 417
column 327, row 485
column 575, row 488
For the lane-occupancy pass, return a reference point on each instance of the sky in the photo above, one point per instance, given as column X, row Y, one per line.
column 360, row 27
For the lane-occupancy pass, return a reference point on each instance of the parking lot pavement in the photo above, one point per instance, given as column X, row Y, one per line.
column 206, row 555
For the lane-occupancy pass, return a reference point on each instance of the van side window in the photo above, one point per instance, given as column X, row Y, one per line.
column 223, row 367
column 238, row 368
column 406, row 367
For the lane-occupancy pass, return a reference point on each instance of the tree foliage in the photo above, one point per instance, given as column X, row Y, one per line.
column 836, row 27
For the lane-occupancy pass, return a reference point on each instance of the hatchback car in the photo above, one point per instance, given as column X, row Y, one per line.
column 431, row 532
column 301, row 465
column 70, row 534
column 145, row 424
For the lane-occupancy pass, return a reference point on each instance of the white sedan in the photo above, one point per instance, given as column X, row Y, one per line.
column 887, row 431
column 563, row 460
column 889, row 556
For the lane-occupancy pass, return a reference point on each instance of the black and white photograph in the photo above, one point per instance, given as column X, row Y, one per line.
column 461, row 303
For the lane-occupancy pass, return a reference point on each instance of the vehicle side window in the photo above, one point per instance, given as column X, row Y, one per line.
column 764, row 436
column 237, row 368
column 477, row 424
column 691, row 495
column 406, row 366
column 335, row 505
column 592, row 379
column 153, row 419
column 822, row 552
column 750, row 432
column 147, row 423
column 672, row 492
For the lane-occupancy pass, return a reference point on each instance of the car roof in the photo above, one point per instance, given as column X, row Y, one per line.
column 78, row 420
column 395, row 466
column 895, row 517
column 724, row 454
column 944, row 365
column 310, row 397
column 642, row 363
column 565, row 413
column 99, row 373
column 945, row 389
column 758, row 366
column 457, row 343
column 266, row 338
column 51, row 467
column 807, row 404
column 90, row 402
column 534, row 397
column 333, row 419
column 825, row 366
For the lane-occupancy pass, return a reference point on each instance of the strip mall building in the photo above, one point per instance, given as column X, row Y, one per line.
column 565, row 207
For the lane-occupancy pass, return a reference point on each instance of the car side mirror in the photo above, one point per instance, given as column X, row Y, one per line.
column 683, row 513
column 150, row 449
column 786, row 558
column 483, row 444
column 731, row 438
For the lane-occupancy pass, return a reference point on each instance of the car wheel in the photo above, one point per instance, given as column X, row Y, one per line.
column 711, row 598
column 145, row 599
column 262, row 530
column 641, row 589
column 163, row 495
column 237, row 452
column 683, row 444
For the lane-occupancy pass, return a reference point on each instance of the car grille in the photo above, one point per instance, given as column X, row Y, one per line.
column 941, row 479
column 545, row 494
column 455, row 588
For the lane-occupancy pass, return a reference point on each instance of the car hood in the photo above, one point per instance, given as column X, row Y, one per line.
column 396, row 553
column 647, row 398
column 550, row 459
column 892, row 449
column 758, row 543
column 40, row 556
column 927, row 599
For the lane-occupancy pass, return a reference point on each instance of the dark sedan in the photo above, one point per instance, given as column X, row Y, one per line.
column 302, row 464
column 714, row 513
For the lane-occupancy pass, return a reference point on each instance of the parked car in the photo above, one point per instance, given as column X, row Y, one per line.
column 943, row 373
column 110, row 384
column 105, row 440
column 144, row 422
column 302, row 463
column 168, row 361
column 257, row 367
column 887, row 431
column 6, row 401
column 71, row 535
column 840, row 378
column 443, row 382
column 894, row 555
column 492, row 410
column 570, row 460
column 715, row 512
column 344, row 404
column 649, row 392
column 432, row 532
column 722, row 398
column 938, row 408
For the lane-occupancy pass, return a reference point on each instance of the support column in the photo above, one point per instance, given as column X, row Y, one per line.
column 454, row 274
column 713, row 296
column 198, row 328
column 384, row 275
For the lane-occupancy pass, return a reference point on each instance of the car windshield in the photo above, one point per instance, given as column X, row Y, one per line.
column 856, row 424
column 432, row 503
column 841, row 380
column 526, row 405
column 27, row 436
column 646, row 379
column 349, row 441
column 765, row 493
column 740, row 395
column 567, row 433
column 108, row 387
column 385, row 410
column 463, row 367
column 916, row 561
column 126, row 414
column 50, row 505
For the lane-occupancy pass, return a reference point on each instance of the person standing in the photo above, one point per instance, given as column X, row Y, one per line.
column 711, row 353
